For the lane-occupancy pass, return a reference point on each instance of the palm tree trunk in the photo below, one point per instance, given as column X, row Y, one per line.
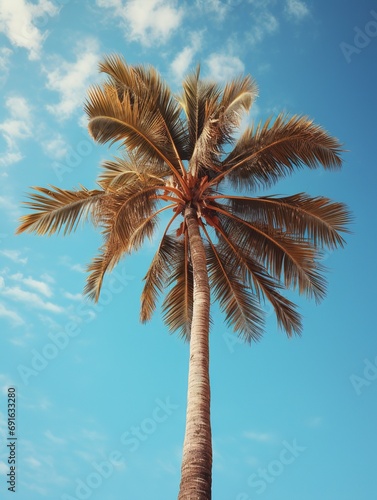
column 196, row 472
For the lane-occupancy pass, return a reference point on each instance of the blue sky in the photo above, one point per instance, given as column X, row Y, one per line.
column 101, row 398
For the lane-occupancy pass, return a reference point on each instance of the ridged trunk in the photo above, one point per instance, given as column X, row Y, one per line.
column 196, row 472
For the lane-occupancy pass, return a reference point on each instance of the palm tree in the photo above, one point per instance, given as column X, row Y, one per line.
column 179, row 155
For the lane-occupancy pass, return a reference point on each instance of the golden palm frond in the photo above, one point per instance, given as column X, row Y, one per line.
column 316, row 218
column 157, row 276
column 145, row 84
column 264, row 286
column 237, row 97
column 128, row 170
column 132, row 124
column 241, row 307
column 199, row 102
column 111, row 253
column 268, row 152
column 178, row 304
column 56, row 208
column 290, row 259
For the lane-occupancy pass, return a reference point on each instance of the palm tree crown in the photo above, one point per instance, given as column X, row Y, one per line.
column 179, row 155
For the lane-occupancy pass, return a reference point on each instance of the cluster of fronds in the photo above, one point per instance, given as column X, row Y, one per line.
column 174, row 155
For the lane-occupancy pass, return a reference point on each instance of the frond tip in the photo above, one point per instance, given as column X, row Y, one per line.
column 55, row 208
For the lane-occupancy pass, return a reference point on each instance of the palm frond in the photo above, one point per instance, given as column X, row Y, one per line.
column 240, row 306
column 122, row 172
column 130, row 211
column 157, row 276
column 132, row 123
column 178, row 304
column 199, row 102
column 266, row 153
column 110, row 254
column 316, row 218
column 263, row 285
column 55, row 208
column 145, row 84
column 238, row 96
column 285, row 257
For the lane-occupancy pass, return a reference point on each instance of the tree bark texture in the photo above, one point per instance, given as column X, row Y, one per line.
column 196, row 472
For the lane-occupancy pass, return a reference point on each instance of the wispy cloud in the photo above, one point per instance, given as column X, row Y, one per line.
column 296, row 9
column 261, row 437
column 5, row 383
column 223, row 67
column 185, row 57
column 71, row 79
column 10, row 315
column 66, row 261
column 18, row 22
column 15, row 127
column 73, row 296
column 55, row 147
column 14, row 255
column 217, row 8
column 30, row 299
column 54, row 439
column 33, row 462
column 40, row 286
column 264, row 23
column 148, row 22
column 5, row 54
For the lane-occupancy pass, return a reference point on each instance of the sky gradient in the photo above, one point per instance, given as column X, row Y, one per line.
column 101, row 398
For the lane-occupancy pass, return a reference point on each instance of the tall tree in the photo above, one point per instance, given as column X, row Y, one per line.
column 179, row 155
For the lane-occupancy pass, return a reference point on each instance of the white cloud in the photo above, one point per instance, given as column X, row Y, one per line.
column 40, row 286
column 296, row 9
column 19, row 19
column 215, row 7
column 148, row 22
column 264, row 23
column 184, row 59
column 11, row 315
column 71, row 79
column 4, row 469
column 73, row 296
column 30, row 299
column 55, row 147
column 55, row 439
column 222, row 67
column 14, row 128
column 5, row 54
column 33, row 462
column 5, row 383
column 66, row 261
column 14, row 255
